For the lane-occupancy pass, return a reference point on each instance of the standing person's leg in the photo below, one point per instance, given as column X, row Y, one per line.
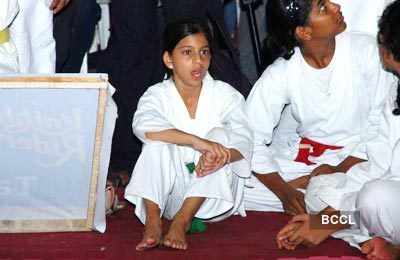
column 247, row 59
column 230, row 16
column 62, row 27
column 74, row 31
column 134, row 65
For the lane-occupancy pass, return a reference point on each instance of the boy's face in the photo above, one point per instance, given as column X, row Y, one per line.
column 388, row 60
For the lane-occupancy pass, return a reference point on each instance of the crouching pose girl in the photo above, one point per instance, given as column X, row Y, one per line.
column 197, row 143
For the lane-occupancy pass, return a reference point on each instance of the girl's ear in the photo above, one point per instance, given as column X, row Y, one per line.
column 303, row 33
column 167, row 60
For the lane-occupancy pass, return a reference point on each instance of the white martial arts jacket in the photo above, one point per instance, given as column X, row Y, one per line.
column 161, row 107
column 383, row 152
column 360, row 16
column 343, row 113
column 32, row 33
column 8, row 53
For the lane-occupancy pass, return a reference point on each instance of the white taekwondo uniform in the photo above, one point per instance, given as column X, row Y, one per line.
column 160, row 174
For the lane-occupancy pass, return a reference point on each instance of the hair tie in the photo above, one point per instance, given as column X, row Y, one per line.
column 292, row 8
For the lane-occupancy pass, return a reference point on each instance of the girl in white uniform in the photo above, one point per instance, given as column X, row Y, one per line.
column 361, row 16
column 8, row 53
column 332, row 91
column 369, row 189
column 197, row 143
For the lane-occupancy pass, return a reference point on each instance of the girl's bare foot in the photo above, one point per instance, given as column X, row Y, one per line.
column 152, row 235
column 379, row 248
column 176, row 236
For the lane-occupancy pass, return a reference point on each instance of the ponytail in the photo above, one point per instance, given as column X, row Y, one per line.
column 283, row 17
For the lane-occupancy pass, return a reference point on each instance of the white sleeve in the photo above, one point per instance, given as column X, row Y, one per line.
column 8, row 11
column 379, row 152
column 264, row 107
column 149, row 116
column 377, row 85
column 239, row 133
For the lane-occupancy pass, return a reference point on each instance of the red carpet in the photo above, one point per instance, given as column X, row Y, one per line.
column 234, row 238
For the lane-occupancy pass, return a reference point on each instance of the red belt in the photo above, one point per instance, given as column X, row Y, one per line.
column 309, row 147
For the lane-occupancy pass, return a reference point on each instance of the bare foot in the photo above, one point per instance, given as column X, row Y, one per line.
column 176, row 236
column 152, row 235
column 380, row 249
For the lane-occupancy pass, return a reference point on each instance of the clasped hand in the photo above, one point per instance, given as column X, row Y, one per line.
column 213, row 157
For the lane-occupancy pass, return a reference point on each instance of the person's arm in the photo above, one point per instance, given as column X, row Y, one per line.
column 347, row 163
column 151, row 117
column 292, row 199
column 173, row 136
column 344, row 166
column 264, row 107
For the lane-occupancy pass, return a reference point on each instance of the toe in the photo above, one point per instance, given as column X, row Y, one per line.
column 167, row 242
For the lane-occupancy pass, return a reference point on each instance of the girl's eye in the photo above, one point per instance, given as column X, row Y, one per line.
column 186, row 52
column 205, row 52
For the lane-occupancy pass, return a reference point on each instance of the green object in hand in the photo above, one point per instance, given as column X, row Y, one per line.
column 197, row 226
column 190, row 166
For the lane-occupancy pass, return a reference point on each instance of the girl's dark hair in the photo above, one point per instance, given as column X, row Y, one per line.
column 176, row 30
column 389, row 38
column 283, row 16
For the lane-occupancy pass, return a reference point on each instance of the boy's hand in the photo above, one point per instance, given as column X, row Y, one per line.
column 57, row 5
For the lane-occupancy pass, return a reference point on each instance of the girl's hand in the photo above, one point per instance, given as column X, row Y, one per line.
column 216, row 151
column 210, row 162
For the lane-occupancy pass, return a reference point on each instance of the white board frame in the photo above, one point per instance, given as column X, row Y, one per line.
column 94, row 81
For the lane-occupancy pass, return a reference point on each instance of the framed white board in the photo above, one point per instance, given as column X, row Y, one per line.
column 55, row 139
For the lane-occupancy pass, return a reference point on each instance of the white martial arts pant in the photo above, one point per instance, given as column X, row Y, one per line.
column 160, row 175
column 376, row 204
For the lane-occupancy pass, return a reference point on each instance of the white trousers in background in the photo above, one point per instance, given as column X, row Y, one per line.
column 32, row 34
column 8, row 58
column 160, row 175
